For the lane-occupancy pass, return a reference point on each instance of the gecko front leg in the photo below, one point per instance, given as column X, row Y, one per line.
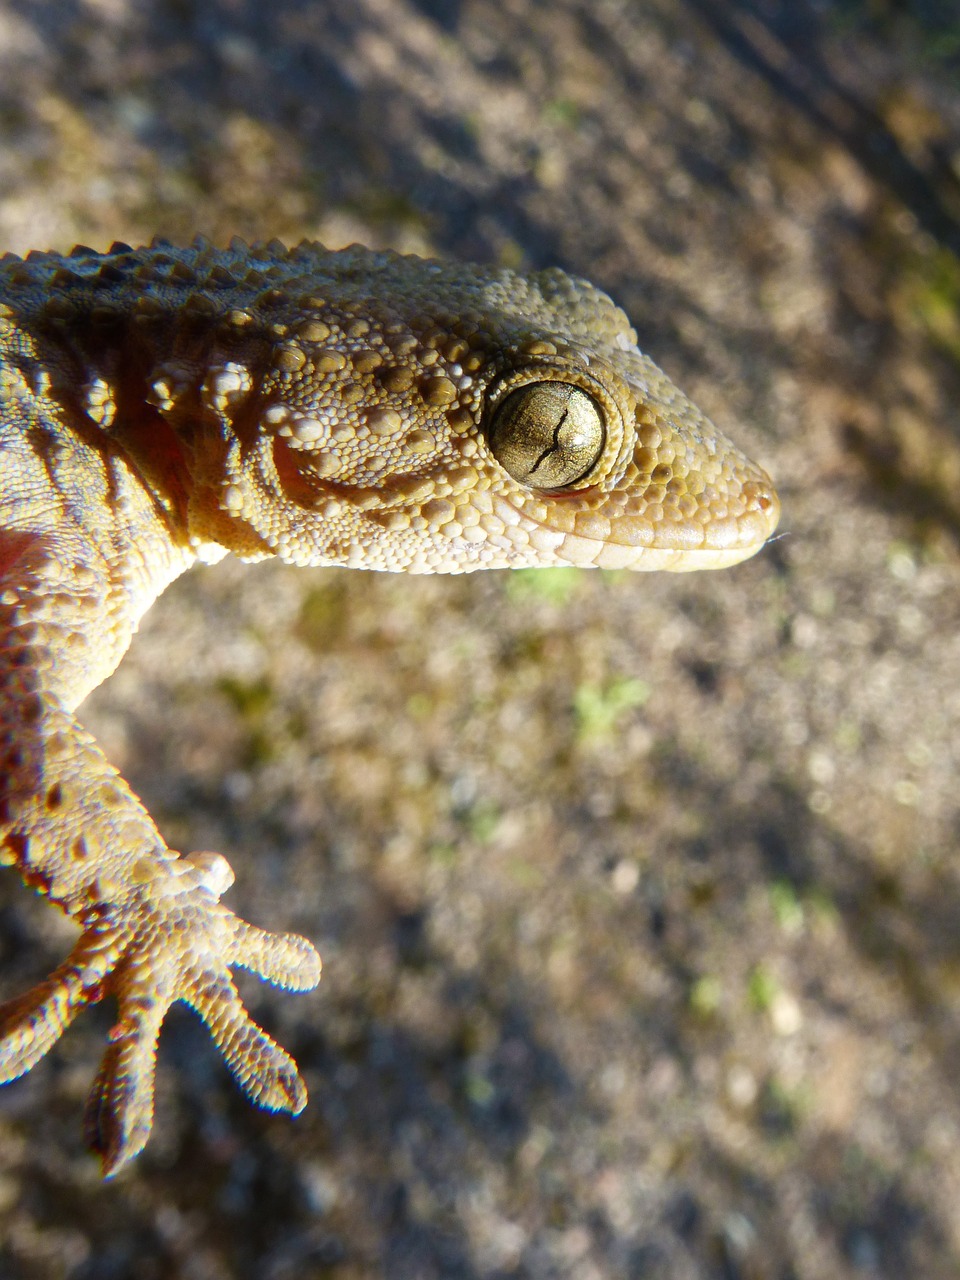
column 153, row 927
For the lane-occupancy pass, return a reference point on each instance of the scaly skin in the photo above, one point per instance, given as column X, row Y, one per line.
column 163, row 405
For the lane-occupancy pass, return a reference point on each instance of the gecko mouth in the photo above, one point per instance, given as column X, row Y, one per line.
column 630, row 530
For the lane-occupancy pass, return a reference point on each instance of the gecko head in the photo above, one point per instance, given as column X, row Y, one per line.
column 433, row 418
column 605, row 466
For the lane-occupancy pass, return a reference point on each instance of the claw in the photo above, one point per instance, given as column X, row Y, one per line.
column 267, row 1074
column 178, row 942
column 285, row 959
column 31, row 1024
column 119, row 1111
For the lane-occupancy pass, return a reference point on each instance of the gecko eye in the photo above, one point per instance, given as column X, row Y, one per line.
column 548, row 434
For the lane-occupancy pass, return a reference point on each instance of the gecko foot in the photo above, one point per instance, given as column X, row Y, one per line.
column 175, row 941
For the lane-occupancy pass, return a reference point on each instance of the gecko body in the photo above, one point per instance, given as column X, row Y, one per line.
column 164, row 405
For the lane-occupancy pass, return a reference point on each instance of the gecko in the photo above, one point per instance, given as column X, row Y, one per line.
column 165, row 405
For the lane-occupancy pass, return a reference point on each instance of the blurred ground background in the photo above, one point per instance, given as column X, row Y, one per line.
column 638, row 896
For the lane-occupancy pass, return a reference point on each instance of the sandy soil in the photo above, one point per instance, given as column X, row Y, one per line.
column 638, row 896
